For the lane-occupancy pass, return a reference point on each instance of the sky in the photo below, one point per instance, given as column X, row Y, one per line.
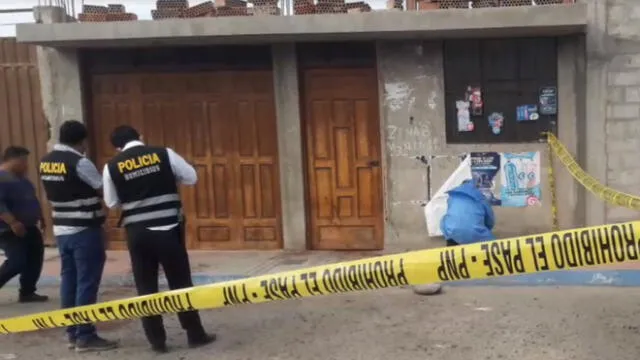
column 7, row 21
column 140, row 7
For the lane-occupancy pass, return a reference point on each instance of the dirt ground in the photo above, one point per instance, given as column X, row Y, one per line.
column 465, row 323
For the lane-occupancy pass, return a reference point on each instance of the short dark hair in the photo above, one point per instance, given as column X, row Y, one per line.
column 14, row 152
column 72, row 132
column 122, row 135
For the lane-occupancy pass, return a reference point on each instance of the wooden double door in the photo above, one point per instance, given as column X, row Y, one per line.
column 224, row 124
column 343, row 159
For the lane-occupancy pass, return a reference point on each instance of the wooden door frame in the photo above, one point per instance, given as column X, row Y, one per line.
column 305, row 153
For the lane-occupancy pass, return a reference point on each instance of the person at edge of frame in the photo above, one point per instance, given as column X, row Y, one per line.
column 142, row 180
column 74, row 188
column 21, row 223
column 469, row 219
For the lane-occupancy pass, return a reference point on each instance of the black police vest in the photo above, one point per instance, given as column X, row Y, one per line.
column 73, row 202
column 146, row 186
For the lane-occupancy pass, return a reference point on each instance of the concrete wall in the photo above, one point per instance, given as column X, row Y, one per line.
column 615, row 54
column 413, row 124
column 59, row 77
column 290, row 153
column 61, row 87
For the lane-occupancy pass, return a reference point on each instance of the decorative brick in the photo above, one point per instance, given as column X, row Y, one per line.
column 623, row 111
column 617, row 161
column 427, row 5
column 620, row 214
column 92, row 17
column 621, row 178
column 359, row 6
column 304, row 9
column 624, row 78
column 617, row 146
column 621, row 62
column 166, row 14
column 94, row 9
column 631, row 94
column 202, row 9
column 615, row 94
column 326, row 8
column 271, row 9
column 172, row 4
column 623, row 129
column 232, row 11
column 116, row 8
column 121, row 17
column 622, row 20
column 230, row 3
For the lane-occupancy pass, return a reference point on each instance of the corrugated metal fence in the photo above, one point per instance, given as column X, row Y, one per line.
column 22, row 121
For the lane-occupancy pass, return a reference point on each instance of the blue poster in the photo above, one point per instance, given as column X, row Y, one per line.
column 520, row 179
column 527, row 113
column 484, row 168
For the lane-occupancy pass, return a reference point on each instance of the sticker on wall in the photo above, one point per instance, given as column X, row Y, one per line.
column 527, row 113
column 484, row 170
column 548, row 100
column 496, row 121
column 474, row 95
column 464, row 120
column 520, row 179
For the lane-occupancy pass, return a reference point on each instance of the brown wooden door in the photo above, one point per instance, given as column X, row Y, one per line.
column 343, row 159
column 224, row 124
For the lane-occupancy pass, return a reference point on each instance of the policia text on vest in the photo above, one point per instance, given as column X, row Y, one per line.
column 139, row 166
column 73, row 201
column 146, row 186
column 562, row 250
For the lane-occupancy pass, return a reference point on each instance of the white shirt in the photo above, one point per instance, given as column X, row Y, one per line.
column 185, row 174
column 88, row 173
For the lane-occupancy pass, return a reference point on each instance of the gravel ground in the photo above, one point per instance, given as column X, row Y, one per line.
column 470, row 323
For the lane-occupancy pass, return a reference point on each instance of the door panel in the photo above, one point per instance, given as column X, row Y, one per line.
column 343, row 159
column 223, row 123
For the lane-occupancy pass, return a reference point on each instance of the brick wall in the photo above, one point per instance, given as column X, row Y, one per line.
column 622, row 139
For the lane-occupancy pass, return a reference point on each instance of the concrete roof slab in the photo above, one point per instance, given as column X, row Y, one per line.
column 545, row 20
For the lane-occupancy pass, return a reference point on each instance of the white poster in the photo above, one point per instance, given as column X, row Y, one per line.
column 437, row 206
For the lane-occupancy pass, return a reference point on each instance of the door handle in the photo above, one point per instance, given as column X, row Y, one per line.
column 373, row 163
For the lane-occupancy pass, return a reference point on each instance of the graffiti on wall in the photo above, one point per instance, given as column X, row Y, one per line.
column 408, row 141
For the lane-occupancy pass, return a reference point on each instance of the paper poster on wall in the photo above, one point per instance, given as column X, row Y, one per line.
column 520, row 178
column 496, row 121
column 484, row 168
column 527, row 113
column 464, row 119
column 548, row 100
column 474, row 95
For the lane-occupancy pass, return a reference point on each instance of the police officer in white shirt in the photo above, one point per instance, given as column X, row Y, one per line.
column 72, row 184
column 142, row 181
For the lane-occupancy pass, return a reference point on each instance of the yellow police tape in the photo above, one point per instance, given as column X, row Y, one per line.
column 560, row 250
column 609, row 195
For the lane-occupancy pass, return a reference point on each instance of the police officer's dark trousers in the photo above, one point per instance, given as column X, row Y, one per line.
column 149, row 249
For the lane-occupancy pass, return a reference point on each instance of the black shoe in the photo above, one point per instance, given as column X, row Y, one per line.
column 71, row 344
column 204, row 339
column 95, row 343
column 160, row 349
column 33, row 298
